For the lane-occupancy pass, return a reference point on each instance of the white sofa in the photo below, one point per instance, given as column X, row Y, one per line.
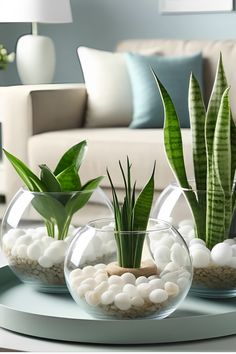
column 41, row 122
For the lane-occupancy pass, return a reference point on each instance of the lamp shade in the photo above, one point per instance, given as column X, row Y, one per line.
column 44, row 11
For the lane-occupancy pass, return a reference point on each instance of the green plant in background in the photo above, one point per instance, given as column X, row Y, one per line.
column 214, row 156
column 5, row 57
column 59, row 194
column 131, row 218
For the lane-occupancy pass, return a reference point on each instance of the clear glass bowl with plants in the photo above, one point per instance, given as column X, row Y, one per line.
column 109, row 269
column 203, row 209
column 42, row 218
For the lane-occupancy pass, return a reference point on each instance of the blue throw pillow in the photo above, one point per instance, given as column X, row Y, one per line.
column 174, row 73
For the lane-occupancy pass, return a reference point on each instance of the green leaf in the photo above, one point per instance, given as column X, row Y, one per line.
column 233, row 150
column 143, row 205
column 50, row 209
column 197, row 113
column 80, row 198
column 69, row 179
column 172, row 137
column 73, row 157
column 48, row 178
column 31, row 181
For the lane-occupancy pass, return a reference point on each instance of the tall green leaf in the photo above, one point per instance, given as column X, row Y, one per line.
column 143, row 205
column 73, row 157
column 69, row 179
column 31, row 181
column 48, row 178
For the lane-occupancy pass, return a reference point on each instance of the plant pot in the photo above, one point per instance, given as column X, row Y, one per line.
column 106, row 289
column 36, row 232
column 214, row 265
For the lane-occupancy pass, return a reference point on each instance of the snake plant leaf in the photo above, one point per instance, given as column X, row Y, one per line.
column 80, row 198
column 197, row 113
column 49, row 179
column 143, row 205
column 219, row 194
column 172, row 137
column 50, row 209
column 31, row 181
column 73, row 157
column 69, row 179
column 233, row 150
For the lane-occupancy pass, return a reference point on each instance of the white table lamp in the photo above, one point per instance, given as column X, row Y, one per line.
column 35, row 55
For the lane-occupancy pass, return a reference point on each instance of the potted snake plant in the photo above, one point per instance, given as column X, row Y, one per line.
column 210, row 195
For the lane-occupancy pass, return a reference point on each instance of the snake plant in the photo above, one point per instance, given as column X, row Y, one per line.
column 131, row 218
column 60, row 194
column 214, row 156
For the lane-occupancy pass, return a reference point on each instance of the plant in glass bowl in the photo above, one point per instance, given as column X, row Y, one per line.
column 211, row 194
column 109, row 269
column 36, row 254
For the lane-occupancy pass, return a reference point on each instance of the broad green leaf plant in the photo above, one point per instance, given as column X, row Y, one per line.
column 214, row 156
column 60, row 194
column 131, row 218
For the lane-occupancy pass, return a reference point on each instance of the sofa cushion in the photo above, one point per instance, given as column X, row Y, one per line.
column 108, row 87
column 106, row 146
column 174, row 73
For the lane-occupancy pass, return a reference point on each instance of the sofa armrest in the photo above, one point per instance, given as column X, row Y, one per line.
column 27, row 110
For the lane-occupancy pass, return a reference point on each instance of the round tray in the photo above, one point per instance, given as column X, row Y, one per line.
column 57, row 317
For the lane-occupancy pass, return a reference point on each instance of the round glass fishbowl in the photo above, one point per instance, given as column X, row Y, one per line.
column 37, row 229
column 214, row 262
column 128, row 274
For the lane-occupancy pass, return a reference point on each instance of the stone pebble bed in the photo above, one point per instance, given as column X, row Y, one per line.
column 125, row 296
column 212, row 269
column 36, row 257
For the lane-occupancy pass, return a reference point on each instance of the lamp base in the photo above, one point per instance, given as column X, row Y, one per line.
column 35, row 59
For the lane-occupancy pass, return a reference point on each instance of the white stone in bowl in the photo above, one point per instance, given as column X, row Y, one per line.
column 122, row 301
column 200, row 258
column 107, row 297
column 45, row 262
column 158, row 296
column 34, row 251
column 130, row 290
column 171, row 288
column 221, row 254
column 128, row 278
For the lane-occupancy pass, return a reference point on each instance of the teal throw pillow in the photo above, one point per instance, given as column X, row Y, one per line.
column 174, row 73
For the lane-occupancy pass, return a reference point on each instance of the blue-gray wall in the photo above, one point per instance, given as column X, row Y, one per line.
column 102, row 23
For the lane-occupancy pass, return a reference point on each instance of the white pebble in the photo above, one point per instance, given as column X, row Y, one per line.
column 137, row 301
column 82, row 290
column 162, row 255
column 167, row 241
column 47, row 240
column 130, row 290
column 158, row 296
column 229, row 241
column 185, row 230
column 196, row 246
column 22, row 251
column 116, row 289
column 56, row 253
column 107, row 297
column 90, row 282
column 101, row 287
column 197, row 241
column 128, row 278
column 177, row 254
column 92, row 298
column 100, row 266
column 144, row 289
column 24, row 240
column 183, row 282
column 45, row 262
column 88, row 270
column 16, row 233
column 156, row 284
column 141, row 280
column 152, row 277
column 200, row 258
column 171, row 288
column 115, row 279
column 122, row 301
column 34, row 252
column 233, row 250
column 101, row 277
column 171, row 267
column 156, row 236
column 75, row 273
column 221, row 254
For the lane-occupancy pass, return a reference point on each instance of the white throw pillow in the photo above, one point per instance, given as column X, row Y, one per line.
column 108, row 86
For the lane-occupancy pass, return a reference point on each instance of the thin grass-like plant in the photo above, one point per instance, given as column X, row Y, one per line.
column 131, row 218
